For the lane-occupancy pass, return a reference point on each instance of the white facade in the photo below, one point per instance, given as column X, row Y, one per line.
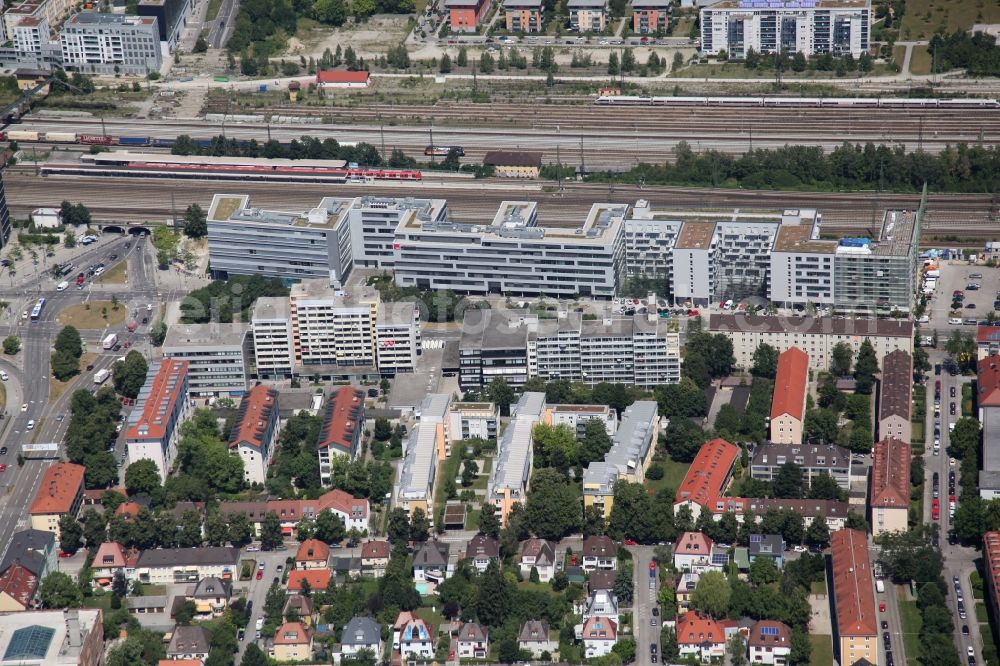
column 694, row 276
column 218, row 356
column 111, row 44
column 272, row 338
column 29, row 36
column 649, row 242
column 811, row 27
column 471, row 420
column 397, row 334
column 373, row 222
column 576, row 417
column 333, row 327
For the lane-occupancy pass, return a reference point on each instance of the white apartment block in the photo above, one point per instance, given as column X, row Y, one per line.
column 397, row 335
column 107, row 44
column 218, row 356
column 52, row 11
column 423, row 449
column 30, row 34
column 649, row 242
column 512, row 254
column 470, row 420
column 810, row 27
column 272, row 338
column 515, row 452
column 628, row 459
column 255, row 432
column 373, row 222
column 802, row 267
column 576, row 417
column 331, row 326
column 815, row 336
column 152, row 431
column 292, row 245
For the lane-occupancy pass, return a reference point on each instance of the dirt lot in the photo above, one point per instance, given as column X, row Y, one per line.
column 372, row 38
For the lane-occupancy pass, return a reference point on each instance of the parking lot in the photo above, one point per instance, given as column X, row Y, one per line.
column 979, row 286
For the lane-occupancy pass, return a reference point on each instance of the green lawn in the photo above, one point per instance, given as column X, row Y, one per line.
column 925, row 17
column 673, row 475
column 918, row 431
column 982, row 614
column 448, row 470
column 818, row 587
column 909, row 617
column 472, row 519
column 822, row 650
column 432, row 616
column 213, row 10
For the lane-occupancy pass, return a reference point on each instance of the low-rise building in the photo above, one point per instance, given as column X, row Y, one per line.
column 696, row 552
column 630, row 455
column 33, row 549
column 412, row 637
column 111, row 557
column 650, row 16
column 211, row 596
column 534, row 638
column 788, row 404
column 894, row 399
column 60, row 492
column 855, row 623
column 707, row 479
column 375, row 556
column 524, row 15
column 599, row 635
column 255, row 432
column 314, row 579
column 312, row 554
column 186, row 565
column 353, row 511
column 340, row 434
column 154, row 426
column 578, row 416
column 587, row 15
column 813, row 459
column 473, row 420
column 293, row 641
column 482, row 550
column 770, row 643
column 599, row 552
column 360, row 633
column 540, row 555
column 508, row 484
column 601, row 603
column 473, row 641
column 833, row 512
column 217, row 355
column 68, row 637
column 18, row 586
column 768, row 546
column 988, row 401
column 466, row 15
column 987, row 340
column 431, row 563
column 341, row 78
column 687, row 582
column 514, row 164
column 189, row 642
column 700, row 636
column 889, row 501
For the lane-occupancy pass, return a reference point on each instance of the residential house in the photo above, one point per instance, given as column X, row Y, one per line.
column 540, row 555
column 312, row 554
column 523, row 15
column 894, row 396
column 771, row 546
column 482, row 550
column 599, row 635
column 413, row 637
column 60, row 492
column 211, row 596
column 189, row 642
column 815, row 460
column 347, row 568
column 650, row 16
column 686, row 585
column 599, row 552
column 110, row 558
column 466, row 15
column 534, row 638
column 255, row 432
column 473, row 641
column 889, row 501
column 431, row 564
column 770, row 643
column 991, row 569
column 301, row 606
column 601, row 579
column 700, row 636
column 375, row 558
column 340, row 434
column 354, row 511
column 35, row 550
column 788, row 403
column 293, row 641
column 317, row 579
column 696, row 552
column 855, row 622
column 361, row 633
column 601, row 604
column 18, row 585
column 186, row 565
column 833, row 512
column 587, row 15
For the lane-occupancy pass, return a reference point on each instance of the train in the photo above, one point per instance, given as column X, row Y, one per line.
column 34, row 136
column 444, row 151
column 824, row 102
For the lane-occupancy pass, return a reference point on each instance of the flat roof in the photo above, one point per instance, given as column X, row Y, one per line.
column 790, row 4
column 586, row 4
column 798, row 238
column 330, row 212
column 271, row 308
column 205, row 335
column 850, row 326
column 95, row 18
column 319, row 289
column 695, row 235
column 630, row 445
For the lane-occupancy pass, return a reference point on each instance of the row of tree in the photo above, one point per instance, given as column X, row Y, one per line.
column 91, row 431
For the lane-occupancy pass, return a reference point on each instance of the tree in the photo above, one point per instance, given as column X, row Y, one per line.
column 625, row 649
column 94, row 528
column 501, row 394
column 142, row 477
column 553, row 509
column 420, row 525
column 820, row 426
column 818, row 532
column 11, row 345
column 494, row 603
column 200, row 45
column 470, row 470
column 624, row 585
column 765, row 361
column 102, row 470
column 329, row 527
column 399, row 526
column 59, row 591
column 158, row 333
column 789, row 482
column 613, row 68
column 129, row 375
column 595, row 443
column 70, row 533
column 270, row 531
column 444, row 66
column 64, row 366
column 711, row 595
column 486, row 63
column 463, row 57
column 382, row 430
column 763, row 571
column 489, row 521
column 737, row 651
column 840, row 360
column 195, row 222
column 824, row 487
column 68, row 341
column 865, row 368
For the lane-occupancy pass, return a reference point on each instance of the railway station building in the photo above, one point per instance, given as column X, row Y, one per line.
column 810, row 27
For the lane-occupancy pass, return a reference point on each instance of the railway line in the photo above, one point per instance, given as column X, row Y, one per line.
column 973, row 217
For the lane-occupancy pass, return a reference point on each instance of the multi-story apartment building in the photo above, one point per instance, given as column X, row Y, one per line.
column 397, row 335
column 810, row 27
column 292, row 245
column 512, row 254
column 343, row 423
column 95, row 43
column 31, row 33
column 331, row 326
column 707, row 479
column 815, row 336
column 524, row 15
column 855, row 623
column 894, row 399
column 373, row 222
column 51, row 11
column 509, row 479
column 988, row 400
column 587, row 15
column 991, row 564
column 788, row 403
column 60, row 492
column 813, row 459
column 186, row 565
column 649, row 245
column 650, row 16
column 466, row 15
column 171, row 17
column 878, row 276
column 271, row 324
column 255, row 432
column 694, row 264
column 153, row 427
column 217, row 355
column 469, row 420
column 515, row 345
column 425, row 446
column 576, row 417
column 889, row 500
column 628, row 459
column 802, row 266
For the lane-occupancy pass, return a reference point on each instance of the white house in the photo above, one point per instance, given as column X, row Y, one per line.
column 534, row 638
column 473, row 641
column 540, row 555
column 599, row 552
column 599, row 635
column 413, row 637
column 770, row 643
column 360, row 633
column 693, row 552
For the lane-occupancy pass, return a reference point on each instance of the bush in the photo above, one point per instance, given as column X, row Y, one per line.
column 655, row 472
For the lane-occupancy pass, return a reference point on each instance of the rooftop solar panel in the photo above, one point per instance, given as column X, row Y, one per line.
column 768, row 631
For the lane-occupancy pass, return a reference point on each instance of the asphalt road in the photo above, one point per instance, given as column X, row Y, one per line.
column 644, row 599
column 223, row 25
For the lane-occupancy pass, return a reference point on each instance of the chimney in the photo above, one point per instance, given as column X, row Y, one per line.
column 73, row 633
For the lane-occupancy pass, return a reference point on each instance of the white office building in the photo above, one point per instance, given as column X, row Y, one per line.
column 810, row 27
column 373, row 223
column 95, row 43
column 218, row 356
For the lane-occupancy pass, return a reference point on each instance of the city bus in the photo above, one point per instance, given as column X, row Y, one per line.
column 36, row 312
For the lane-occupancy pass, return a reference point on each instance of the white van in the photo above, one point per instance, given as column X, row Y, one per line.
column 62, row 285
column 880, row 586
column 955, row 321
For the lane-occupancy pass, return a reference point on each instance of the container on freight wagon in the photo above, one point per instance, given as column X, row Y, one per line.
column 133, row 140
column 221, row 79
column 262, row 88
column 22, row 135
column 96, row 139
column 60, row 137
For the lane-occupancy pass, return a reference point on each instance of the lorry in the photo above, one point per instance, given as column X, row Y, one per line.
column 110, row 341
column 101, row 376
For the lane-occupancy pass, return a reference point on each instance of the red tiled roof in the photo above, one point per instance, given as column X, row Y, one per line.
column 790, row 384
column 988, row 381
column 987, row 334
column 341, row 76
column 312, row 550
column 109, row 554
column 318, row 579
column 59, row 488
column 895, row 386
column 779, row 634
column 600, row 629
column 853, row 590
column 371, row 550
column 693, row 628
column 891, row 474
column 128, row 509
column 705, row 480
column 166, row 389
column 19, row 583
column 255, row 413
column 341, row 420
column 690, row 543
column 291, row 633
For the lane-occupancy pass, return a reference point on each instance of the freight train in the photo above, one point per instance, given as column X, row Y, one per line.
column 837, row 102
column 34, row 136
